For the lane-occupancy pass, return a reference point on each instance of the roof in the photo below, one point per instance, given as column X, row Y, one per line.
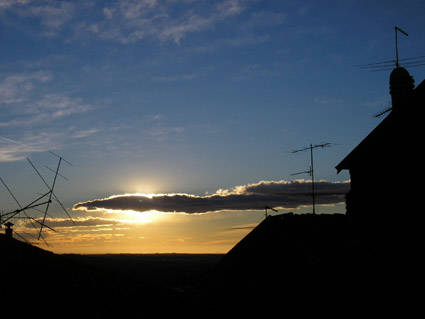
column 285, row 240
column 363, row 149
column 376, row 139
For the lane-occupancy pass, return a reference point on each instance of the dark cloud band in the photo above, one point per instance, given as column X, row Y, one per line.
column 285, row 194
column 78, row 222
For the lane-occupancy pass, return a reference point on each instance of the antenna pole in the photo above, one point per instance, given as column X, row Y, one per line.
column 311, row 171
column 312, row 179
column 48, row 187
column 50, row 198
column 396, row 43
column 396, row 47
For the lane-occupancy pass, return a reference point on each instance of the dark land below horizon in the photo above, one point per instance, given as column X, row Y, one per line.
column 312, row 263
column 178, row 274
column 99, row 285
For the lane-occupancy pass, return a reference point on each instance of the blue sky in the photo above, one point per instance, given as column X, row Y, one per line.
column 191, row 96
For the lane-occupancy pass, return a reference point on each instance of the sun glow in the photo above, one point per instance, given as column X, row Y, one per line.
column 133, row 217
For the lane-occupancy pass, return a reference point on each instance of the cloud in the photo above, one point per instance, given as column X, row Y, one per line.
column 6, row 4
column 256, row 70
column 14, row 88
column 58, row 105
column 54, row 15
column 17, row 149
column 280, row 194
column 79, row 222
column 163, row 133
column 51, row 15
column 249, row 39
column 11, row 150
column 50, row 107
column 265, row 18
column 176, row 78
column 84, row 133
column 130, row 21
column 23, row 105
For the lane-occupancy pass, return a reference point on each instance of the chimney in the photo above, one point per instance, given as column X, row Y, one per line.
column 9, row 230
column 401, row 88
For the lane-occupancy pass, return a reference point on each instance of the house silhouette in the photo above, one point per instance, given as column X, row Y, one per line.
column 365, row 261
column 384, row 168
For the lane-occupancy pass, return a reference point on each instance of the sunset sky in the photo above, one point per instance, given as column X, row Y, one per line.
column 179, row 116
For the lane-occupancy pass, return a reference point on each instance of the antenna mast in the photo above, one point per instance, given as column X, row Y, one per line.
column 43, row 199
column 396, row 43
column 311, row 170
column 271, row 208
column 411, row 62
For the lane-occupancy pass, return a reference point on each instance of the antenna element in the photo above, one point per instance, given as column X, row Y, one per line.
column 396, row 43
column 311, row 170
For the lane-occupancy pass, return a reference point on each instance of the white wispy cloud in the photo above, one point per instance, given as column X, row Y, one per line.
column 59, row 105
column 48, row 108
column 265, row 18
column 12, row 150
column 14, row 88
column 175, row 78
column 22, row 104
column 257, row 70
column 234, row 41
column 53, row 15
column 34, row 141
column 6, row 4
column 129, row 21
column 34, row 116
column 84, row 133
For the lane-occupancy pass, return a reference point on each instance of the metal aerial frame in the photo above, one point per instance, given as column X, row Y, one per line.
column 310, row 171
column 37, row 202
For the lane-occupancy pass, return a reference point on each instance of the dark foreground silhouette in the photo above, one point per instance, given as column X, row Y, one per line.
column 302, row 263
column 319, row 264
column 36, row 282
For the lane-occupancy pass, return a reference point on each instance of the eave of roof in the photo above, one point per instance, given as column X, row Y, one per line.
column 376, row 135
column 371, row 139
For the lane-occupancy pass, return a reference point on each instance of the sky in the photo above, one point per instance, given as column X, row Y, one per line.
column 179, row 117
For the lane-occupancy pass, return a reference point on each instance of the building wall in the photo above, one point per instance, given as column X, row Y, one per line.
column 386, row 188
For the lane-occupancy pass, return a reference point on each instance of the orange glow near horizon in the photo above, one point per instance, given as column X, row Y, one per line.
column 121, row 232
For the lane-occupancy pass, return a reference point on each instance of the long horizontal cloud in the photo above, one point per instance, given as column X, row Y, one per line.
column 76, row 222
column 284, row 194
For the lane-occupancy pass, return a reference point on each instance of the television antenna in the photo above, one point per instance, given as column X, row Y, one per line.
column 51, row 194
column 396, row 30
column 383, row 112
column 410, row 62
column 47, row 185
column 271, row 208
column 5, row 218
column 43, row 199
column 310, row 171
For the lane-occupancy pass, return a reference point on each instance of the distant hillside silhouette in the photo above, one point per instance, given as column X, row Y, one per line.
column 36, row 282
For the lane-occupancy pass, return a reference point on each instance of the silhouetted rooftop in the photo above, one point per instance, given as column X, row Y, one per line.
column 306, row 262
column 370, row 144
column 382, row 136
